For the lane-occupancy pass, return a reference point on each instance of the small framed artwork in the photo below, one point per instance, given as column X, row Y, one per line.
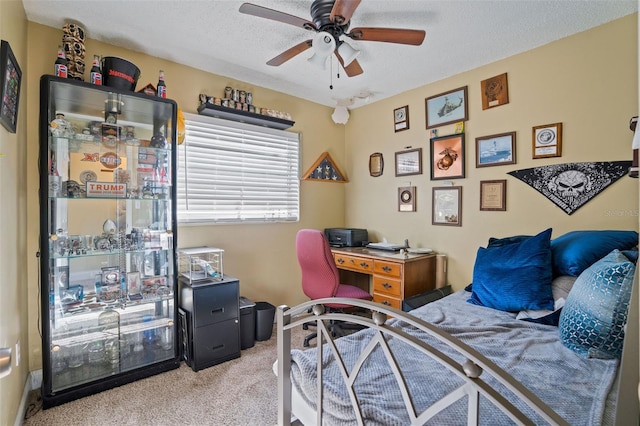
column 447, row 157
column 493, row 195
column 407, row 199
column 446, row 108
column 11, row 76
column 401, row 118
column 409, row 162
column 495, row 91
column 376, row 164
column 496, row 150
column 547, row 140
column 447, row 206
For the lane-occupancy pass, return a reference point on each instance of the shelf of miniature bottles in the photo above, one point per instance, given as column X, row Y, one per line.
column 244, row 116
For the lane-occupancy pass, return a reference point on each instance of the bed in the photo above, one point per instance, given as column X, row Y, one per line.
column 484, row 355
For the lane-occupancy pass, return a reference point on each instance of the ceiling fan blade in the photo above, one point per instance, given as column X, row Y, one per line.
column 388, row 35
column 352, row 69
column 343, row 11
column 274, row 15
column 290, row 53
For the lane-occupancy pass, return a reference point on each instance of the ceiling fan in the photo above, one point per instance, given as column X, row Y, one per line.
column 330, row 20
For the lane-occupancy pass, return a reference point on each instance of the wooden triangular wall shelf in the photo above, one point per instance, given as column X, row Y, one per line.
column 325, row 169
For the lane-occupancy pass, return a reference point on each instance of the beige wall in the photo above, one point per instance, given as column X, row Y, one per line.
column 589, row 82
column 14, row 322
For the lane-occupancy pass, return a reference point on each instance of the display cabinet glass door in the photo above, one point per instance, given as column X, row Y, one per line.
column 108, row 235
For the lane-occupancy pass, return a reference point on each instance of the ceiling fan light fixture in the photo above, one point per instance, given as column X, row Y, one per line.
column 340, row 115
column 347, row 53
column 323, row 46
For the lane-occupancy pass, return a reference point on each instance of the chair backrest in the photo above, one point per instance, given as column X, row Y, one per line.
column 320, row 277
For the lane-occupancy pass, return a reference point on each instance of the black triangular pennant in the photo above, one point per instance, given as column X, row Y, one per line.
column 571, row 185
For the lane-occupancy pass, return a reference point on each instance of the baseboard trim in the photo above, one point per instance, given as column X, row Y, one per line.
column 34, row 381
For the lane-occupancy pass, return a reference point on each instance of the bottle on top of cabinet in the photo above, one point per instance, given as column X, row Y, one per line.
column 162, row 87
column 96, row 74
column 60, row 66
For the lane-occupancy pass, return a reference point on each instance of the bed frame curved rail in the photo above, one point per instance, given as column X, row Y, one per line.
column 470, row 371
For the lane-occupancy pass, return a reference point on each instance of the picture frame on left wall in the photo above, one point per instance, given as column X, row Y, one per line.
column 10, row 87
column 401, row 118
column 409, row 162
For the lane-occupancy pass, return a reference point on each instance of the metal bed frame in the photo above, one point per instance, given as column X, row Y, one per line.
column 471, row 371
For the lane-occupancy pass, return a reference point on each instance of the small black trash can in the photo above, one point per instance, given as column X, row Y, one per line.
column 247, row 323
column 265, row 312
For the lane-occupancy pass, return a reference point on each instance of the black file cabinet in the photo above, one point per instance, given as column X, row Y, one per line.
column 210, row 321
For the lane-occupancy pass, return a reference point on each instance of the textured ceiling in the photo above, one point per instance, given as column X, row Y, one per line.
column 213, row 36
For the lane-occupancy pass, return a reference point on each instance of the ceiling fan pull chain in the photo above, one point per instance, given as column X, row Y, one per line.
column 331, row 73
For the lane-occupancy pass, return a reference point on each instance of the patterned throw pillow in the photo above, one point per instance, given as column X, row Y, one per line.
column 595, row 313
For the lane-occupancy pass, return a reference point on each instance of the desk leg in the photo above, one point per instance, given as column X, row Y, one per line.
column 357, row 279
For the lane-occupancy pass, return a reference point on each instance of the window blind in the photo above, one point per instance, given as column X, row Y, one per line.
column 236, row 172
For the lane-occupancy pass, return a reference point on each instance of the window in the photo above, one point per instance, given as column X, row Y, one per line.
column 235, row 172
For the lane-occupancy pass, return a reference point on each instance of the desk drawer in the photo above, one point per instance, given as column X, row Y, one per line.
column 387, row 286
column 386, row 300
column 354, row 263
column 387, row 268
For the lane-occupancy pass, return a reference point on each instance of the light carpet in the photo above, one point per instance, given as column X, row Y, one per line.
column 242, row 391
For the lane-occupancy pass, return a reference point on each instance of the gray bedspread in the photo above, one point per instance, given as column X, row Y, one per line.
column 575, row 387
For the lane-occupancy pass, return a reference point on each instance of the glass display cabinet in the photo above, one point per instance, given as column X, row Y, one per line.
column 108, row 237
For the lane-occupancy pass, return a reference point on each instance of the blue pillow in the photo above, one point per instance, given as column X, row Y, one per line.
column 575, row 251
column 497, row 242
column 514, row 277
column 593, row 318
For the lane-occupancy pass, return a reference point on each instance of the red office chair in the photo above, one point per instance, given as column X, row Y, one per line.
column 320, row 276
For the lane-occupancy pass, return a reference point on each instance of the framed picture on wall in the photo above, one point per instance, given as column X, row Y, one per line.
column 447, row 206
column 409, row 162
column 446, row 108
column 547, row 140
column 11, row 77
column 493, row 195
column 407, row 199
column 401, row 118
column 447, row 157
column 376, row 164
column 494, row 91
column 496, row 150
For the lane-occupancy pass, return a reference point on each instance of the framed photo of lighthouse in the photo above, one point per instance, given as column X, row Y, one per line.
column 496, row 150
column 446, row 108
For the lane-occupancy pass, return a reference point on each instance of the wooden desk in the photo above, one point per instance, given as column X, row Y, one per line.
column 392, row 276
